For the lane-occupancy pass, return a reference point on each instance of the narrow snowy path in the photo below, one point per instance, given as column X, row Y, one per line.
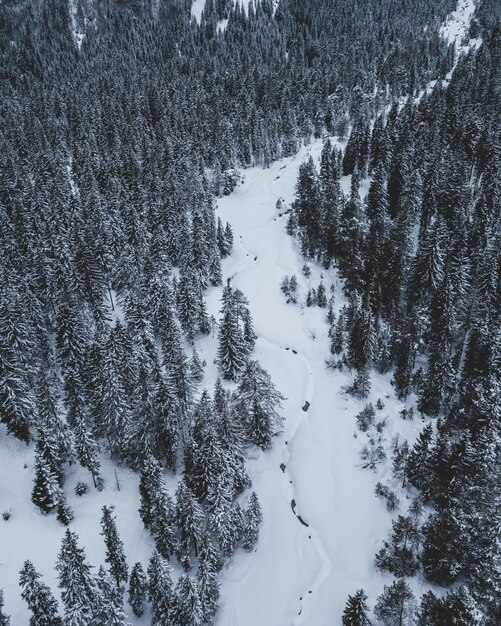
column 322, row 523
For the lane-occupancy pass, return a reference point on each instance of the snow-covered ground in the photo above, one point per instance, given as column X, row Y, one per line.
column 456, row 26
column 300, row 574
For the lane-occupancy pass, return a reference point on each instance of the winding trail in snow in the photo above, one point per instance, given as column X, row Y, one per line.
column 289, row 485
column 322, row 523
column 251, row 259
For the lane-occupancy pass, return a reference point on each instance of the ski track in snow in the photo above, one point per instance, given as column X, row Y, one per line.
column 310, row 556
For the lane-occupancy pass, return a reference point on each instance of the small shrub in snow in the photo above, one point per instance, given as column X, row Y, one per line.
column 6, row 515
column 81, row 488
column 366, row 417
column 407, row 414
column 372, row 455
column 380, row 426
column 99, row 483
column 379, row 404
column 288, row 287
column 306, row 271
column 389, row 496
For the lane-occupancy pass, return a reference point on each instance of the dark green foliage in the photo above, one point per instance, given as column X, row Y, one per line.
column 38, row 597
column 356, row 610
column 457, row 607
column 259, row 401
column 395, row 606
column 399, row 555
column 115, row 556
column 79, row 591
column 252, row 520
column 138, row 586
column 4, row 619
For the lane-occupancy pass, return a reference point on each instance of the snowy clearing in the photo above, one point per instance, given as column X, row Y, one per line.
column 304, row 572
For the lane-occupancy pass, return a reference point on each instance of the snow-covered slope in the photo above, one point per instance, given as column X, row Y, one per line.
column 299, row 574
column 456, row 26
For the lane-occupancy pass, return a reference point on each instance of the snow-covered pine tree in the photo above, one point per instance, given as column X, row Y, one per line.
column 38, row 597
column 260, row 402
column 232, row 347
column 47, row 491
column 356, row 611
column 160, row 592
column 115, row 555
column 395, row 606
column 190, row 521
column 253, row 518
column 138, row 587
column 209, row 565
column 79, row 591
column 86, row 449
column 110, row 610
column 4, row 619
column 157, row 509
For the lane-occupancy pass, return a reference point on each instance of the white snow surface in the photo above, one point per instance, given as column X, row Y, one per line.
column 457, row 25
column 298, row 574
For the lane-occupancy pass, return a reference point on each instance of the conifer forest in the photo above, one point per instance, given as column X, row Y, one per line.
column 250, row 333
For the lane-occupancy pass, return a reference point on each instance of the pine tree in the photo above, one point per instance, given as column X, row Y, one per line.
column 115, row 555
column 16, row 403
column 188, row 608
column 47, row 491
column 210, row 563
column 78, row 587
column 400, row 555
column 156, row 510
column 362, row 384
column 4, row 619
column 138, row 586
column 259, row 401
column 86, row 450
column 321, row 295
column 457, row 607
column 225, row 519
column 190, row 522
column 110, row 612
column 160, row 592
column 231, row 349
column 356, row 610
column 252, row 520
column 395, row 606
column 196, row 367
